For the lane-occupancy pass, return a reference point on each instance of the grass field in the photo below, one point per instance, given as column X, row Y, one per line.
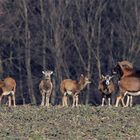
column 81, row 123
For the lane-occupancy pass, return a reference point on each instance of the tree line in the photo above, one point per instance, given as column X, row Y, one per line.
column 70, row 37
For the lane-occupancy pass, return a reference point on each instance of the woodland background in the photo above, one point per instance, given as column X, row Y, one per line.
column 70, row 37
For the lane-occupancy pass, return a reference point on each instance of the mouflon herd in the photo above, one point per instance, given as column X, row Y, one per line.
column 128, row 83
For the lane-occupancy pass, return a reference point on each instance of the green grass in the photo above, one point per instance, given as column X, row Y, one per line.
column 81, row 123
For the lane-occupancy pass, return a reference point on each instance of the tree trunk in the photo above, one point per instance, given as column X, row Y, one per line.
column 44, row 34
column 28, row 56
column 89, row 71
column 98, row 48
column 1, row 68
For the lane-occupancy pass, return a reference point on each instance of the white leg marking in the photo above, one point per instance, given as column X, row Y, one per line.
column 103, row 101
column 76, row 100
column 131, row 101
column 109, row 101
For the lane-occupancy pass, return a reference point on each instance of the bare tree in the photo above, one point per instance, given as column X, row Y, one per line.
column 28, row 54
column 44, row 33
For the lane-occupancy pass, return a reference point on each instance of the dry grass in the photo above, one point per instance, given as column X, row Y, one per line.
column 81, row 123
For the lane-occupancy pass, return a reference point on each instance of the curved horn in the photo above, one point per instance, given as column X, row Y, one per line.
column 130, row 65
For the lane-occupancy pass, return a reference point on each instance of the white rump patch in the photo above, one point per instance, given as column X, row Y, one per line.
column 7, row 93
column 69, row 92
column 132, row 93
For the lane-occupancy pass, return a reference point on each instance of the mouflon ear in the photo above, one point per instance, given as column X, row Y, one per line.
column 51, row 72
column 110, row 77
column 43, row 72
